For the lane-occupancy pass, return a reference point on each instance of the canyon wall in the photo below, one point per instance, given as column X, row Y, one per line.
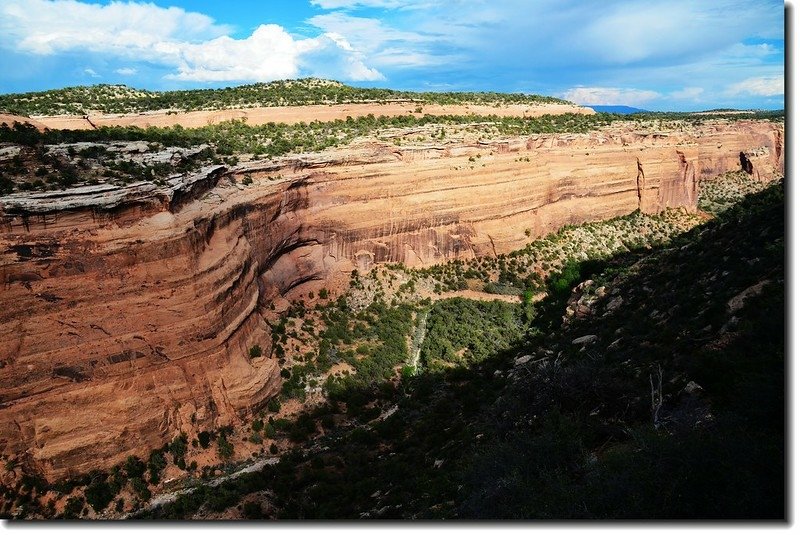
column 127, row 313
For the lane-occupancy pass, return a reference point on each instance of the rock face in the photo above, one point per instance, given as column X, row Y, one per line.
column 127, row 315
column 9, row 119
column 107, row 198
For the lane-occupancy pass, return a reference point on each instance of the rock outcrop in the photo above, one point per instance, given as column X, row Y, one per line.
column 107, row 199
column 128, row 312
column 9, row 120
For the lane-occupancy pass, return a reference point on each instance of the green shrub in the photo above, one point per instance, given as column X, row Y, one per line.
column 140, row 488
column 274, row 405
column 224, row 447
column 178, row 447
column 134, row 467
column 269, row 431
column 74, row 507
column 156, row 465
column 562, row 283
column 282, row 424
column 252, row 510
column 99, row 494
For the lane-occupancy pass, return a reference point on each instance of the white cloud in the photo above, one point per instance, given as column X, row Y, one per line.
column 382, row 44
column 688, row 93
column 126, row 71
column 271, row 53
column 352, row 4
column 91, row 72
column 604, row 96
column 324, row 55
column 46, row 27
column 765, row 86
column 366, row 32
column 191, row 43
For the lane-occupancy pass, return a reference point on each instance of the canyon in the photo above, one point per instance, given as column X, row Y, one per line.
column 128, row 311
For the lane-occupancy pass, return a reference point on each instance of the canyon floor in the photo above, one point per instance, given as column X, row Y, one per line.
column 502, row 296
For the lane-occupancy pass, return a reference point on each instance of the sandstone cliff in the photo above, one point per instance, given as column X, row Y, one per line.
column 128, row 312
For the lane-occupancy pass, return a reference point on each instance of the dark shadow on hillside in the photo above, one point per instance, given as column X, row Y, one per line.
column 672, row 408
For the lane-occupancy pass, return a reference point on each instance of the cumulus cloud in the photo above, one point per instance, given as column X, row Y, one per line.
column 605, row 96
column 324, row 55
column 383, row 44
column 126, row 71
column 91, row 72
column 196, row 47
column 765, row 86
column 270, row 53
column 46, row 27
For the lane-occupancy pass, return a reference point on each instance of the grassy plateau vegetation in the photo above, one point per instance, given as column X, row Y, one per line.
column 122, row 99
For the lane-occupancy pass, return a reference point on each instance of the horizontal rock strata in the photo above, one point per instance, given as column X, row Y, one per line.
column 127, row 313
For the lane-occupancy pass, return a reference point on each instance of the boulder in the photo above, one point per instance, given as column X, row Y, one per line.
column 584, row 340
column 523, row 360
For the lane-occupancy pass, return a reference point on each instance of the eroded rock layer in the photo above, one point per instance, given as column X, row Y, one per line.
column 127, row 318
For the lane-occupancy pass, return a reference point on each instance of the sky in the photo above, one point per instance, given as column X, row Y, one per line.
column 656, row 54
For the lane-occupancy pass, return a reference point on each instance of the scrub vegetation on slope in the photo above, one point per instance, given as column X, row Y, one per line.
column 645, row 410
column 123, row 99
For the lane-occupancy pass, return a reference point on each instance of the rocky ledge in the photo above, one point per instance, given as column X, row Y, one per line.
column 109, row 197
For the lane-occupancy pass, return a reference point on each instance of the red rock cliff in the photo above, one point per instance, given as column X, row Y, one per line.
column 124, row 322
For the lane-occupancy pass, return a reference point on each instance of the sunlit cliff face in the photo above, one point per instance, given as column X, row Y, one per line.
column 122, row 326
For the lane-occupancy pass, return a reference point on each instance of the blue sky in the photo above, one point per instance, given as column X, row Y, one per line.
column 656, row 54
